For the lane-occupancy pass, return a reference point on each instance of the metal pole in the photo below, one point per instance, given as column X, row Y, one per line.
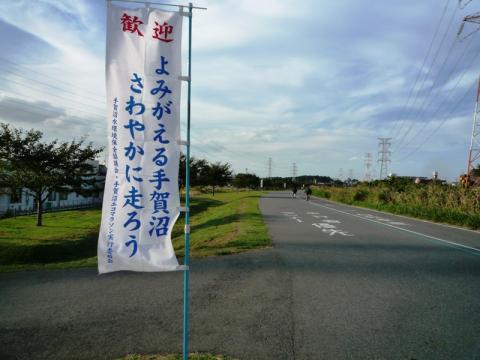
column 187, row 193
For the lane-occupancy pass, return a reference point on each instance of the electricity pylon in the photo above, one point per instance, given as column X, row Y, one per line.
column 384, row 154
column 474, row 150
column 368, row 165
column 294, row 171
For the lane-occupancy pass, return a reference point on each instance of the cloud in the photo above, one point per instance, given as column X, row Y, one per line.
column 28, row 112
column 19, row 45
column 303, row 83
column 54, row 121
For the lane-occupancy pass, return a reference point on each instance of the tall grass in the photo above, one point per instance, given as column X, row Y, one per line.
column 441, row 203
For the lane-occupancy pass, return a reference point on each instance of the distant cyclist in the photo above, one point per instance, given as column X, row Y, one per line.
column 294, row 191
column 308, row 192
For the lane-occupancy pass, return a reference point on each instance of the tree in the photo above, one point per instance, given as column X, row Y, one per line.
column 202, row 173
column 199, row 169
column 218, row 175
column 44, row 168
column 246, row 181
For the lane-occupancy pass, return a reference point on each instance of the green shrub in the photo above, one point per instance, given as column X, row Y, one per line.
column 384, row 196
column 344, row 196
column 321, row 193
column 444, row 203
column 360, row 195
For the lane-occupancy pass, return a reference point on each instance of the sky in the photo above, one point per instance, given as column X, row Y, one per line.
column 311, row 83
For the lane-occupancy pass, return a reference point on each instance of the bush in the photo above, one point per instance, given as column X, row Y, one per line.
column 436, row 202
column 360, row 195
column 344, row 196
column 321, row 193
column 384, row 196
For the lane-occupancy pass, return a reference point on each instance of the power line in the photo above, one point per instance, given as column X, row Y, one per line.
column 84, row 107
column 221, row 149
column 429, row 69
column 36, row 105
column 432, row 99
column 462, row 4
column 33, row 105
column 56, row 95
column 405, row 107
column 448, row 97
column 417, row 112
column 9, row 79
column 21, row 73
column 440, row 124
column 450, row 92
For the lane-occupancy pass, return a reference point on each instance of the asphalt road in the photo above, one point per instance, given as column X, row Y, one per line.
column 340, row 283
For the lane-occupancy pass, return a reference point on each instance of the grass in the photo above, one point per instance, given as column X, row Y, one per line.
column 66, row 237
column 439, row 203
column 194, row 356
column 228, row 223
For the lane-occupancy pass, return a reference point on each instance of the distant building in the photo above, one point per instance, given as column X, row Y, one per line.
column 19, row 201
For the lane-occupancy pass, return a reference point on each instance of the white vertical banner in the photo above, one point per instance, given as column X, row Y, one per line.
column 141, row 201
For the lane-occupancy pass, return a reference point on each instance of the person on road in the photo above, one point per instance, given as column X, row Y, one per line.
column 308, row 192
column 294, row 191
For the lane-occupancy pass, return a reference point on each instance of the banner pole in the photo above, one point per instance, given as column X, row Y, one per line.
column 187, row 194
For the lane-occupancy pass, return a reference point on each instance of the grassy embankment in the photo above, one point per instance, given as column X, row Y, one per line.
column 440, row 203
column 228, row 223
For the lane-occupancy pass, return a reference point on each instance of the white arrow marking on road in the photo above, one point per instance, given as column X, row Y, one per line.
column 332, row 232
column 324, row 226
column 331, row 229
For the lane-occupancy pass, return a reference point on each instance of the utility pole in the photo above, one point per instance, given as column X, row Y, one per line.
column 384, row 154
column 350, row 174
column 294, row 171
column 269, row 167
column 368, row 165
column 340, row 174
column 474, row 150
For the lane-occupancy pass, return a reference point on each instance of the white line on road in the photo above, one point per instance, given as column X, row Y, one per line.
column 471, row 250
column 401, row 216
